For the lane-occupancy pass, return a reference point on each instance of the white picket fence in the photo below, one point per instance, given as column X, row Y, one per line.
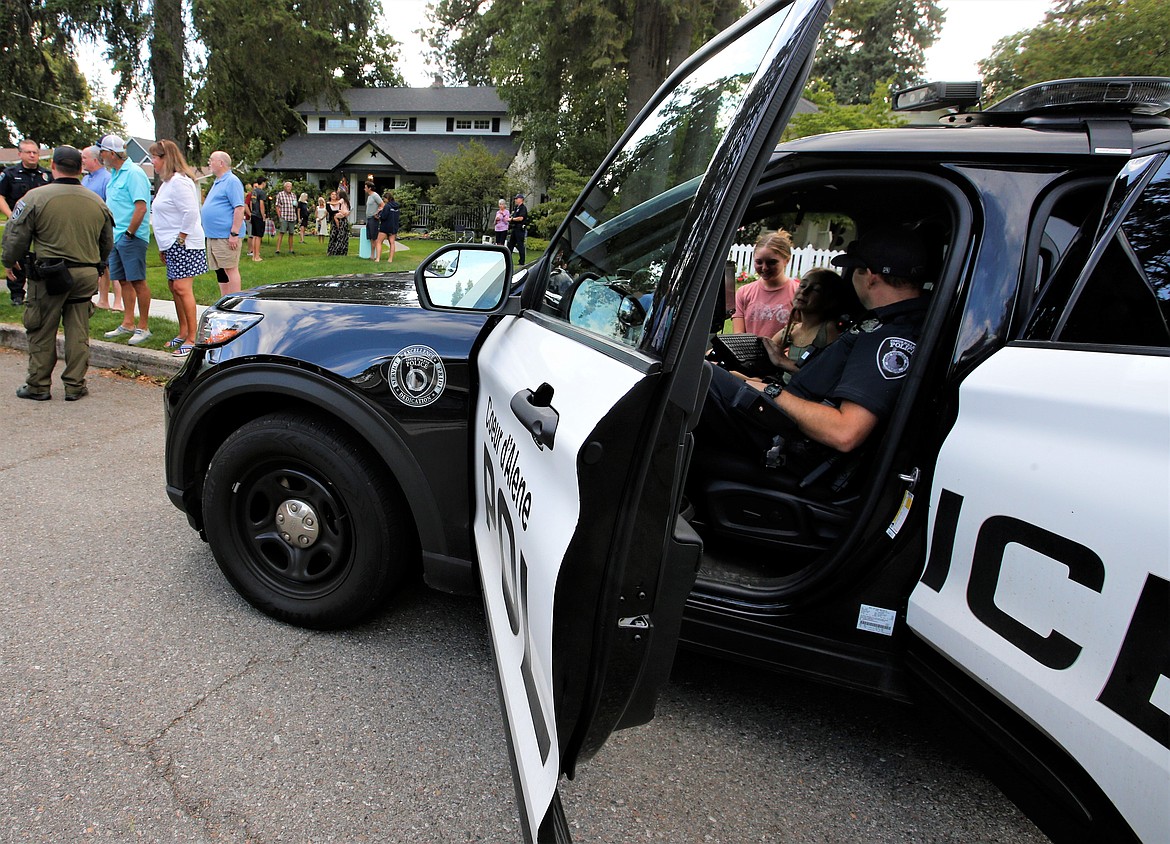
column 803, row 259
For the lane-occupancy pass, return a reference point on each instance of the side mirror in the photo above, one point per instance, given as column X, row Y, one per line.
column 464, row 277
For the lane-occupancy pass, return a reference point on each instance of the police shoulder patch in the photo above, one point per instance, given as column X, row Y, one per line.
column 17, row 211
column 417, row 376
column 893, row 357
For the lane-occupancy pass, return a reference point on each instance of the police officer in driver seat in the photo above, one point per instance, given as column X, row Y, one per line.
column 846, row 391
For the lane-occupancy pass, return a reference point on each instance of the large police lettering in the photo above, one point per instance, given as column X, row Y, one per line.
column 513, row 566
column 1144, row 657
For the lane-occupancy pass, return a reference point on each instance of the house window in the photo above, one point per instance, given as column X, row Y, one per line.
column 483, row 125
column 394, row 124
column 462, row 125
column 342, row 124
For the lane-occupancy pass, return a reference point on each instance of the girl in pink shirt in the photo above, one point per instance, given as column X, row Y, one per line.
column 764, row 306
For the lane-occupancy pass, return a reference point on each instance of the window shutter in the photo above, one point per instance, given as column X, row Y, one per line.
column 321, row 124
column 495, row 124
column 450, row 124
column 361, row 124
column 413, row 124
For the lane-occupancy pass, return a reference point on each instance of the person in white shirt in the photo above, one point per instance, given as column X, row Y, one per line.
column 178, row 231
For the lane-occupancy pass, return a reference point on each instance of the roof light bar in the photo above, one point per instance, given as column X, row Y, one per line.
column 932, row 96
column 1132, row 95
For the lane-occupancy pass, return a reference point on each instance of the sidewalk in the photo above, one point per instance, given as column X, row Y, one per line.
column 103, row 355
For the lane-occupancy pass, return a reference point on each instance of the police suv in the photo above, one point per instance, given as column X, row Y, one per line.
column 999, row 544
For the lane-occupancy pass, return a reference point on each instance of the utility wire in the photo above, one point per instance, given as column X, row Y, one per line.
column 74, row 112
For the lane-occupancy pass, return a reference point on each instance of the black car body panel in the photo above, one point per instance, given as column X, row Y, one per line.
column 325, row 344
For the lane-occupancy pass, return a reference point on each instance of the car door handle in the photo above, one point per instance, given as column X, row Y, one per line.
column 535, row 411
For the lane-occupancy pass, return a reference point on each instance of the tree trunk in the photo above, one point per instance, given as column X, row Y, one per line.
column 167, row 43
column 660, row 39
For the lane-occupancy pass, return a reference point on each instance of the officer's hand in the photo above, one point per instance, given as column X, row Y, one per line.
column 11, row 274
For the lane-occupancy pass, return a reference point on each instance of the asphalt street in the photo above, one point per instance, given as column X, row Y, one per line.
column 144, row 701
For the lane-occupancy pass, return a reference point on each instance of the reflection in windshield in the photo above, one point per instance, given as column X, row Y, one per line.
column 628, row 225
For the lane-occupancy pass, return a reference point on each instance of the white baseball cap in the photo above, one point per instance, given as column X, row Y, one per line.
column 112, row 143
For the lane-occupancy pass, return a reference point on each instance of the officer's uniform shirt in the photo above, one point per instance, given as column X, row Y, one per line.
column 66, row 221
column 17, row 180
column 520, row 210
column 866, row 364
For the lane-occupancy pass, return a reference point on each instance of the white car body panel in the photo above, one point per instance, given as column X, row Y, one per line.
column 586, row 385
column 1076, row 443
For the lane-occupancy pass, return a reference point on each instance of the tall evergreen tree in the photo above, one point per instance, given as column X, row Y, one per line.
column 44, row 94
column 867, row 42
column 266, row 56
column 573, row 74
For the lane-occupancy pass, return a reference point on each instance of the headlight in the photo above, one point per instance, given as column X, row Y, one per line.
column 218, row 327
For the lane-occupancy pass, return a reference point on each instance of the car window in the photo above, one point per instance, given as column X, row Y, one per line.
column 1125, row 301
column 606, row 265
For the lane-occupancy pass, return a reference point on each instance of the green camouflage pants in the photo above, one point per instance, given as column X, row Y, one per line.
column 42, row 314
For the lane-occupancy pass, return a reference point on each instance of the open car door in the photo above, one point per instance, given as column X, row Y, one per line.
column 586, row 398
column 1048, row 576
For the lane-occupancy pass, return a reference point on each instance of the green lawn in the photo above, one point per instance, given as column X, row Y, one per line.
column 310, row 260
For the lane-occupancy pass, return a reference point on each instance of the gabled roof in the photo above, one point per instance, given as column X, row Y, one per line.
column 413, row 153
column 434, row 100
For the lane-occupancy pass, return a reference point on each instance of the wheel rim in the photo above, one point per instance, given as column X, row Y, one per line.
column 295, row 528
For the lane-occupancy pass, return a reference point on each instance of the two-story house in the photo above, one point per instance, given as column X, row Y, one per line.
column 391, row 135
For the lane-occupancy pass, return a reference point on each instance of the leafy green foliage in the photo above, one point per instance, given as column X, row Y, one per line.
column 563, row 189
column 1083, row 38
column 375, row 63
column 470, row 180
column 44, row 95
column 832, row 116
column 264, row 57
column 408, row 196
column 869, row 41
column 573, row 74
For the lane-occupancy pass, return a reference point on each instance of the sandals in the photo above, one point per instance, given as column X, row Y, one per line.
column 173, row 343
column 183, row 350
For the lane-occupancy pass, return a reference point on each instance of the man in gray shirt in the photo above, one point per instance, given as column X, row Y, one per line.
column 373, row 206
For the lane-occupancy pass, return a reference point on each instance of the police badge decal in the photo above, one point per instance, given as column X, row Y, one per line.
column 417, row 376
column 893, row 357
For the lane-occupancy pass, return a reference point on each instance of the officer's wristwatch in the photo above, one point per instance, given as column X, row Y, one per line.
column 235, row 234
column 774, row 389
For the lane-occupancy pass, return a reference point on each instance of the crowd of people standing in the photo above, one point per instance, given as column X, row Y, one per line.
column 194, row 234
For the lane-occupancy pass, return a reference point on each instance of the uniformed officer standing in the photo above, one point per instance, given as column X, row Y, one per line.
column 74, row 232
column 15, row 182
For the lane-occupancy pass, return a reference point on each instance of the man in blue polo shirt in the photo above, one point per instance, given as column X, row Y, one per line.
column 128, row 196
column 223, row 217
column 96, row 178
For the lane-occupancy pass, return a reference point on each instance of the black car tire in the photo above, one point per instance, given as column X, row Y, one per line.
column 304, row 523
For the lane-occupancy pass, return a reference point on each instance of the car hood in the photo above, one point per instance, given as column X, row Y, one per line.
column 396, row 289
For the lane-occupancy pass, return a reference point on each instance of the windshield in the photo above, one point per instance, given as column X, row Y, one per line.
column 624, row 230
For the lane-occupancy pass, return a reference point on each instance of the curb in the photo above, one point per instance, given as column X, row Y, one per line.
column 103, row 355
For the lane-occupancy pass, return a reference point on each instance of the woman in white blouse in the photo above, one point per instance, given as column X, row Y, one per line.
column 178, row 231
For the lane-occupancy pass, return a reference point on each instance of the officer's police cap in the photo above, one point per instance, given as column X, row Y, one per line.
column 889, row 251
column 67, row 157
